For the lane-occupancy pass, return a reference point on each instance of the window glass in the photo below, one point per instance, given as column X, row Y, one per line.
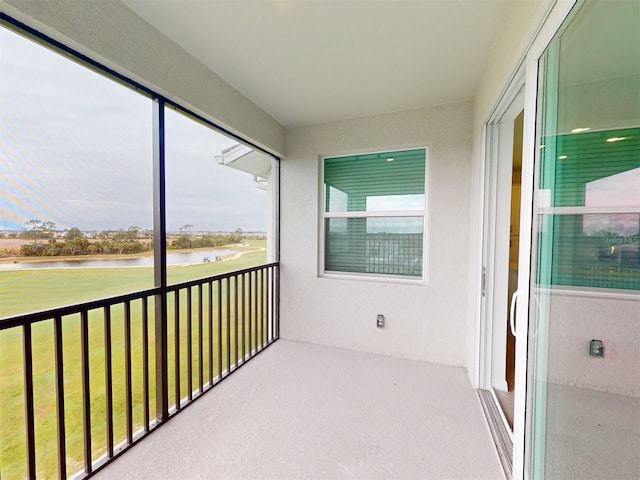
column 218, row 195
column 386, row 245
column 594, row 169
column 595, row 178
column 374, row 213
column 375, row 182
column 75, row 181
column 595, row 250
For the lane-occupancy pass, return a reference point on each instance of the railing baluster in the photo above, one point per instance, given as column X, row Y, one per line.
column 250, row 319
column 257, row 300
column 210, row 333
column 258, row 310
column 176, row 318
column 189, row 348
column 242, row 319
column 127, row 362
column 220, row 329
column 235, row 318
column 200, row 347
column 270, row 303
column 59, row 362
column 86, row 391
column 274, row 289
column 277, row 268
column 262, row 290
column 228, row 325
column 108, row 380
column 265, row 305
column 265, row 312
column 259, row 296
column 274, row 279
column 145, row 361
column 27, row 352
column 255, row 310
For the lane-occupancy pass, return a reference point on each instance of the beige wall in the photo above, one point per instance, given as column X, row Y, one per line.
column 112, row 34
column 424, row 322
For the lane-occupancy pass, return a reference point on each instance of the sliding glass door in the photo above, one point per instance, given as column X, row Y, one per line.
column 583, row 351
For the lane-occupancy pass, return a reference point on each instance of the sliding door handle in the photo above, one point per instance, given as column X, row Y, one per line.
column 512, row 314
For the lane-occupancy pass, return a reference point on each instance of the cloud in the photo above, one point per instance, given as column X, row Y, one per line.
column 76, row 149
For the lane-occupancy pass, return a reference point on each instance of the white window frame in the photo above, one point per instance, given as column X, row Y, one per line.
column 323, row 215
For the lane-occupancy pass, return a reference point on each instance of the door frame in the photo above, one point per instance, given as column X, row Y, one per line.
column 495, row 177
column 526, row 73
column 495, row 180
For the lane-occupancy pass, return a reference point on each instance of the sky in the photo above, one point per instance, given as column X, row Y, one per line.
column 76, row 150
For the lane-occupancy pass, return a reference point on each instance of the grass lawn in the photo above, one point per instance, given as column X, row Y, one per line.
column 38, row 289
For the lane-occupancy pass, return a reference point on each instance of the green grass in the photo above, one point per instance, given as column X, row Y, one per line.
column 32, row 290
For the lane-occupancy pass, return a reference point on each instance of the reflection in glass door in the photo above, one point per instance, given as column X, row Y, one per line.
column 583, row 387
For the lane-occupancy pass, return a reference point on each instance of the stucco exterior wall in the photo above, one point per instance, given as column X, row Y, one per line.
column 114, row 35
column 423, row 321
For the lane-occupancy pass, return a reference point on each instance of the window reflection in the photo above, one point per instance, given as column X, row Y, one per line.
column 337, row 200
column 382, row 245
column 596, row 250
column 620, row 190
column 390, row 203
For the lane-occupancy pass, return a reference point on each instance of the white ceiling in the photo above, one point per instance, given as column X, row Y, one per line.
column 307, row 62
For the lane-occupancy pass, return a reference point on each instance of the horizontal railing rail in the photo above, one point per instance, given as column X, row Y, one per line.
column 39, row 316
column 212, row 326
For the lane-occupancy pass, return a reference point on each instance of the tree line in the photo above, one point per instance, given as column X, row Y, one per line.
column 187, row 240
column 48, row 241
column 75, row 242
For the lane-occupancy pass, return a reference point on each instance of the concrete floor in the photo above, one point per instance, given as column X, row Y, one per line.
column 307, row 411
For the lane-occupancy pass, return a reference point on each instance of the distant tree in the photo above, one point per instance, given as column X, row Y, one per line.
column 28, row 250
column 35, row 227
column 119, row 235
column 49, row 228
column 236, row 236
column 133, row 232
column 183, row 241
column 74, row 233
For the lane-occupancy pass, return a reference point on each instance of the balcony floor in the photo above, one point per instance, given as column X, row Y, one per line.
column 307, row 411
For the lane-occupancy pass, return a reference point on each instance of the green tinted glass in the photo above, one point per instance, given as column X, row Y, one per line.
column 388, row 181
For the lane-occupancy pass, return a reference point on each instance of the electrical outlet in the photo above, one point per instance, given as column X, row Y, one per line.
column 596, row 348
column 380, row 321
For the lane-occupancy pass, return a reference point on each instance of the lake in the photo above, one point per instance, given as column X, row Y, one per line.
column 173, row 258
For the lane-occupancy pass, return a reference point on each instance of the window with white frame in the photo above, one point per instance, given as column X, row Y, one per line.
column 374, row 214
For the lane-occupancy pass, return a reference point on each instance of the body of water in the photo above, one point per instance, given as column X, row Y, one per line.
column 173, row 258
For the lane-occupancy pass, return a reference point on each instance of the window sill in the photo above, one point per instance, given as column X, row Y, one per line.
column 395, row 279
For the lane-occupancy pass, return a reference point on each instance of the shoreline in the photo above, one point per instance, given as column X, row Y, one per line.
column 239, row 251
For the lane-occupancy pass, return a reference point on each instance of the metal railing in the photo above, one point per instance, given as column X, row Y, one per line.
column 206, row 329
